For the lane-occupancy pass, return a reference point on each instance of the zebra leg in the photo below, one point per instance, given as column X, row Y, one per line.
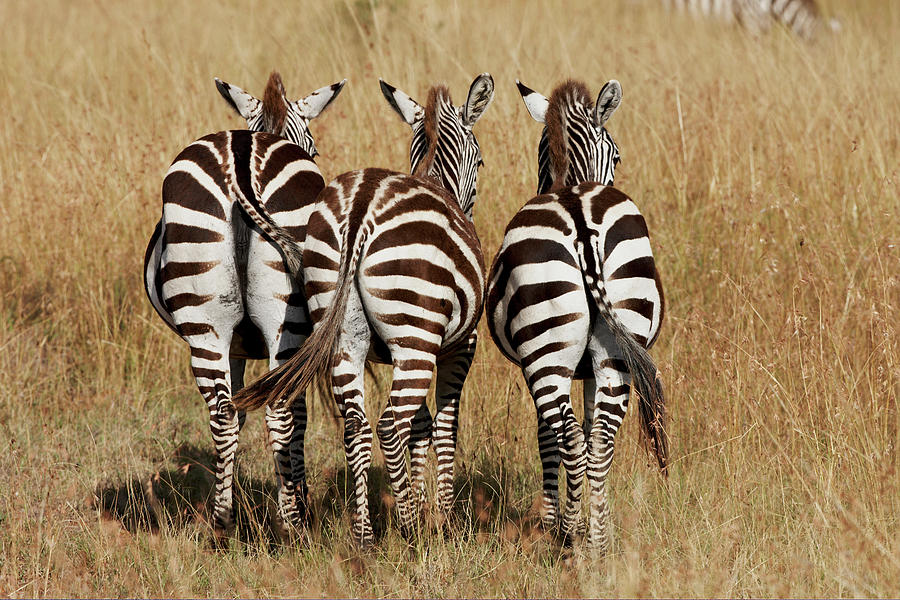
column 550, row 459
column 237, row 383
column 211, row 368
column 285, row 439
column 550, row 390
column 287, row 427
column 452, row 370
column 610, row 403
column 411, row 380
column 298, row 459
column 347, row 377
column 419, row 442
column 348, row 391
column 574, row 457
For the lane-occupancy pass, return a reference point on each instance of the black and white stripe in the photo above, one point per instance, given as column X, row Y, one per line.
column 394, row 272
column 802, row 17
column 223, row 284
column 574, row 293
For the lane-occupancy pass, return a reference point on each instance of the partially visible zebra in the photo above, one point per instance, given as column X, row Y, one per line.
column 802, row 17
column 394, row 272
column 574, row 293
column 219, row 281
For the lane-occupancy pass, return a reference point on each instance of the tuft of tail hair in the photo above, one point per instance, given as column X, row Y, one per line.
column 645, row 379
column 315, row 358
column 290, row 250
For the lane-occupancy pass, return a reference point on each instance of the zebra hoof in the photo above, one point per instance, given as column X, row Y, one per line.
column 363, row 537
column 448, row 523
column 597, row 547
column 294, row 533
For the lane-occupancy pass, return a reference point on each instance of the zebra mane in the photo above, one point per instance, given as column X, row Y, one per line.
column 437, row 95
column 274, row 109
column 564, row 96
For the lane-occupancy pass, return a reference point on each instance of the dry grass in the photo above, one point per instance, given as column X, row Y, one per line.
column 767, row 170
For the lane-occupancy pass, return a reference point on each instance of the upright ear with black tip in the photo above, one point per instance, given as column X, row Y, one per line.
column 408, row 109
column 481, row 92
column 534, row 102
column 313, row 105
column 607, row 102
column 243, row 103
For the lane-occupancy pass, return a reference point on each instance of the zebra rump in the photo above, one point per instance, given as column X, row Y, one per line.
column 645, row 378
column 315, row 356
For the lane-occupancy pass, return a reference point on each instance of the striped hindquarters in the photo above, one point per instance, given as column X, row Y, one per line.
column 420, row 263
column 415, row 261
column 554, row 249
column 207, row 262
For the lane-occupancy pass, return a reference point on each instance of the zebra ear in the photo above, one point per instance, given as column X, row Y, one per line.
column 534, row 102
column 481, row 92
column 313, row 105
column 408, row 109
column 607, row 102
column 243, row 103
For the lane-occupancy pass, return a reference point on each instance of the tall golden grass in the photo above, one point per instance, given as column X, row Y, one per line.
column 767, row 170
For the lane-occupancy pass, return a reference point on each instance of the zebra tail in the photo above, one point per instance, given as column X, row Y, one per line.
column 316, row 356
column 290, row 250
column 645, row 378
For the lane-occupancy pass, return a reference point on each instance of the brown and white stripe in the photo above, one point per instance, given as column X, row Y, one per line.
column 223, row 283
column 393, row 272
column 574, row 294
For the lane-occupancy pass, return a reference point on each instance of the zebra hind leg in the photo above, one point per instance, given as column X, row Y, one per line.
column 419, row 442
column 550, row 390
column 550, row 461
column 348, row 389
column 609, row 407
column 298, row 460
column 574, row 458
column 411, row 380
column 347, row 377
column 211, row 368
column 286, row 442
column 452, row 371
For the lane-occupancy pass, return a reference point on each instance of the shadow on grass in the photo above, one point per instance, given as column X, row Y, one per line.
column 179, row 498
column 490, row 500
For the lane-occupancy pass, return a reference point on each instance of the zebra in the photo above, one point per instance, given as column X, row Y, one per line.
column 220, row 283
column 802, row 17
column 574, row 293
column 394, row 272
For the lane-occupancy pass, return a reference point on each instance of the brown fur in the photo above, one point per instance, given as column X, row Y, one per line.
column 436, row 95
column 565, row 93
column 274, row 108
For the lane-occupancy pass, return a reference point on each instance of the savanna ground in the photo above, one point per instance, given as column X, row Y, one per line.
column 767, row 170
